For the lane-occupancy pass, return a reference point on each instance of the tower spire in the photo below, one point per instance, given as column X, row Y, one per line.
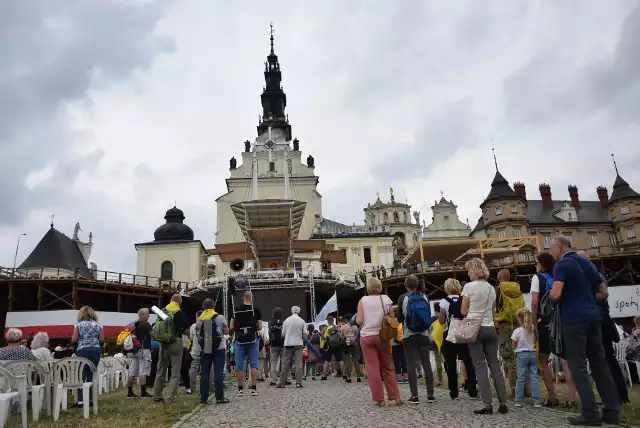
column 495, row 160
column 274, row 100
column 615, row 165
column 271, row 32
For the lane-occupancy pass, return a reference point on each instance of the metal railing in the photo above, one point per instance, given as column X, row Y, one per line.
column 266, row 276
column 88, row 275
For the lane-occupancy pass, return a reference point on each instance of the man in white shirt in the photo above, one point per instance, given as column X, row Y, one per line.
column 293, row 332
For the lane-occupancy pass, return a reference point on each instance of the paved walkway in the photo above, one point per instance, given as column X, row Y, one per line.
column 338, row 405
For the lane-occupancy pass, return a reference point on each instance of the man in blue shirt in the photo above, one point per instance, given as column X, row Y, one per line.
column 575, row 283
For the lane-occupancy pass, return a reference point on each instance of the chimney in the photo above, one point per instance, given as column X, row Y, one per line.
column 545, row 193
column 520, row 190
column 573, row 193
column 603, row 195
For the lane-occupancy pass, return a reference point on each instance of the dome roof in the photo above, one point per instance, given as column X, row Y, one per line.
column 174, row 229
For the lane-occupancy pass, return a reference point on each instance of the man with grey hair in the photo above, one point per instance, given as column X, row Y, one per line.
column 293, row 332
column 576, row 287
column 140, row 359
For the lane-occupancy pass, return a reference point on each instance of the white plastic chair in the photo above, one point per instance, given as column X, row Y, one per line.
column 38, row 383
column 620, row 349
column 115, row 373
column 103, row 377
column 68, row 374
column 12, row 387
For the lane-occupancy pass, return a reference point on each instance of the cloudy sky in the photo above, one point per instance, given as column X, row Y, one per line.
column 111, row 110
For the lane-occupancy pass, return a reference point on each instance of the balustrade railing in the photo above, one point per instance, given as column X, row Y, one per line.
column 98, row 276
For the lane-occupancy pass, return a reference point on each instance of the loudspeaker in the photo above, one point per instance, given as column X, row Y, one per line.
column 236, row 265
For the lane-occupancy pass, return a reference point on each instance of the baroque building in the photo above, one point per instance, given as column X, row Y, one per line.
column 605, row 226
column 174, row 254
column 445, row 223
column 378, row 244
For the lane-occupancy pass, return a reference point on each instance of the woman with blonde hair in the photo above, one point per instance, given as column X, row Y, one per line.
column 88, row 335
column 376, row 352
column 479, row 305
column 450, row 316
column 40, row 347
column 13, row 351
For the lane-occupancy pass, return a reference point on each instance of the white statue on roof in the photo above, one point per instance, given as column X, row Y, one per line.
column 76, row 229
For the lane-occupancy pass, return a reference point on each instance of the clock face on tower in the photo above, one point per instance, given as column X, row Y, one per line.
column 269, row 144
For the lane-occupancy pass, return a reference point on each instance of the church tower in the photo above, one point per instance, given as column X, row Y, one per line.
column 272, row 167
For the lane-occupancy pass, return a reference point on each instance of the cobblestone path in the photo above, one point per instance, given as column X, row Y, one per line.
column 338, row 405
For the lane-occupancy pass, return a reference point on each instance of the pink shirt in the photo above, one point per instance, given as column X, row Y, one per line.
column 373, row 314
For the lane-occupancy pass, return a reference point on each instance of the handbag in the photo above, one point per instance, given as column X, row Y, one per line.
column 468, row 329
column 390, row 325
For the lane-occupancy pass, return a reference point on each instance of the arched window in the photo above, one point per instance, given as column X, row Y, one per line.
column 386, row 218
column 166, row 270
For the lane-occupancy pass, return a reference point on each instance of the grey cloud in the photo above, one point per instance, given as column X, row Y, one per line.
column 549, row 89
column 52, row 53
column 440, row 136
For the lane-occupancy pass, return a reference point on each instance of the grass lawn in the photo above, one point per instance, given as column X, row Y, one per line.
column 629, row 413
column 117, row 411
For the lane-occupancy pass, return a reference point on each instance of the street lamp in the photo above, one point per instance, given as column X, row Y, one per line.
column 15, row 258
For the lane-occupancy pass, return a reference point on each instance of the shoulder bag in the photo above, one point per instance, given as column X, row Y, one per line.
column 389, row 328
column 467, row 330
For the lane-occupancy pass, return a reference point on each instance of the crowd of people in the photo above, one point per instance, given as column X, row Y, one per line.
column 477, row 331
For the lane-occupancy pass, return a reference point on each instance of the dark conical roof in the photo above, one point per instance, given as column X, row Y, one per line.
column 57, row 250
column 622, row 190
column 174, row 229
column 500, row 189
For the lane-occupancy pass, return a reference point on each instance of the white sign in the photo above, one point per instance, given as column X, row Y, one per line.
column 624, row 301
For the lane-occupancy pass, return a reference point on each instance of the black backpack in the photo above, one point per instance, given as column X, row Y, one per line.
column 275, row 333
column 216, row 337
column 245, row 326
column 455, row 309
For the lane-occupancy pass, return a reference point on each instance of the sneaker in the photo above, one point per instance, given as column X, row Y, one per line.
column 299, row 385
column 347, row 380
column 288, row 383
column 537, row 405
column 272, row 383
column 503, row 409
column 323, row 378
column 431, row 399
column 146, row 395
column 131, row 395
column 414, row 400
column 189, row 392
column 240, row 393
column 358, row 380
column 222, row 401
column 254, row 392
column 518, row 404
column 313, row 378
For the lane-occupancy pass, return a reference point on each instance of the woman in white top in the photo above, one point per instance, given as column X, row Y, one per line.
column 377, row 353
column 479, row 302
column 40, row 347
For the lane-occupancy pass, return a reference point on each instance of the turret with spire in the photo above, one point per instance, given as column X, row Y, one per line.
column 274, row 100
column 621, row 189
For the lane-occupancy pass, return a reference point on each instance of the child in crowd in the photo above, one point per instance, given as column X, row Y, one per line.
column 524, row 344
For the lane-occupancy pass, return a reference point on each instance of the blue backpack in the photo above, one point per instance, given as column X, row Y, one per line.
column 418, row 317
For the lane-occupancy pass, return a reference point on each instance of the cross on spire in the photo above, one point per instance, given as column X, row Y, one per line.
column 53, row 216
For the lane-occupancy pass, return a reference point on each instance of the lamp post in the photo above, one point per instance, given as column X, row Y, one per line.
column 15, row 258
